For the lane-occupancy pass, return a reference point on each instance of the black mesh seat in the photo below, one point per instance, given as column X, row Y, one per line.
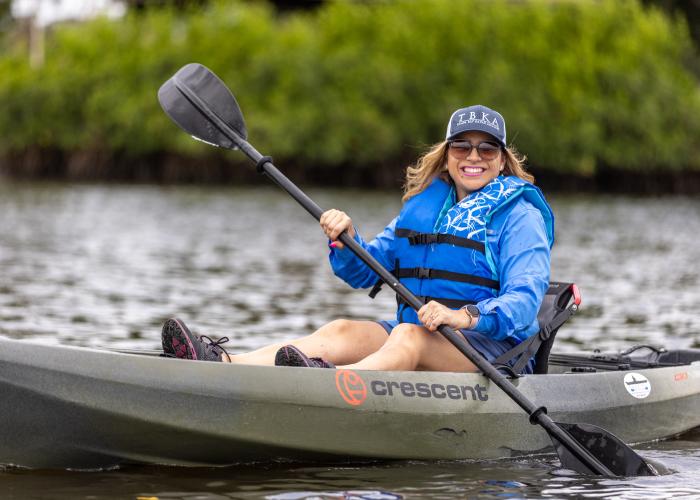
column 560, row 303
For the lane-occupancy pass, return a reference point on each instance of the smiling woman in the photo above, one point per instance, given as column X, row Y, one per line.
column 474, row 128
column 472, row 242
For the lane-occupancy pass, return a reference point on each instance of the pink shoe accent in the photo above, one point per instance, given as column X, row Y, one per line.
column 192, row 352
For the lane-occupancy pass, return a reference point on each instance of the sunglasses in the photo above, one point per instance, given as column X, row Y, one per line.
column 486, row 150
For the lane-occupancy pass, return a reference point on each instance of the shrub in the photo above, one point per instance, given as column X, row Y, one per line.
column 583, row 85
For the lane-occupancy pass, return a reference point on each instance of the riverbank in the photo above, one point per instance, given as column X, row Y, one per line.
column 334, row 93
column 224, row 168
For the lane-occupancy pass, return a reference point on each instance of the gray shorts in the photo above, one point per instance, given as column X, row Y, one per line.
column 487, row 347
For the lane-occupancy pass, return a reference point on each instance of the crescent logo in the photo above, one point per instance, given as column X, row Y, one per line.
column 351, row 387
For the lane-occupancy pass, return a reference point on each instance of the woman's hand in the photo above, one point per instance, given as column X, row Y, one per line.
column 433, row 314
column 333, row 222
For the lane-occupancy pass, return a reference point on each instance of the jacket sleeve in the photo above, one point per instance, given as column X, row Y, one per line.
column 348, row 267
column 523, row 263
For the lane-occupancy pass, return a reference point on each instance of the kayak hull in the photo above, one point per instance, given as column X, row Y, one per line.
column 85, row 408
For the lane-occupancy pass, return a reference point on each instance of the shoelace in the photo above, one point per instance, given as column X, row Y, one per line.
column 212, row 344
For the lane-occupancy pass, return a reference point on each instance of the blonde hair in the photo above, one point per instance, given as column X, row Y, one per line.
column 434, row 163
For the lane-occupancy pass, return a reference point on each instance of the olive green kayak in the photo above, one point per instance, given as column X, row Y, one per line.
column 88, row 408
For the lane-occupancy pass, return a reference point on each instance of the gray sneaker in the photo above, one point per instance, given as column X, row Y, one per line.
column 179, row 342
column 291, row 356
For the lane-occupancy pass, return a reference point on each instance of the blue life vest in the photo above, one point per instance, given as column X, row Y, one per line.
column 449, row 260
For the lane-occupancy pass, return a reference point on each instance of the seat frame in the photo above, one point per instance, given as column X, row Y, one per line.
column 561, row 301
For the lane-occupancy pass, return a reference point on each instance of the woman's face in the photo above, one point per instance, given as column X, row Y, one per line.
column 472, row 170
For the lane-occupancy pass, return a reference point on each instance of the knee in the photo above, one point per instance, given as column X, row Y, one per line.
column 335, row 329
column 408, row 335
column 408, row 342
column 407, row 330
column 341, row 326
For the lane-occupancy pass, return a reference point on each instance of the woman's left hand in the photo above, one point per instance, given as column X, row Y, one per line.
column 433, row 314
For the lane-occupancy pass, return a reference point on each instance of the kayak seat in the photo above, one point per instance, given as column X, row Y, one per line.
column 561, row 301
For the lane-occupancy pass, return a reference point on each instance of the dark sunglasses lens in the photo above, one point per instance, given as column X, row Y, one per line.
column 488, row 151
column 460, row 149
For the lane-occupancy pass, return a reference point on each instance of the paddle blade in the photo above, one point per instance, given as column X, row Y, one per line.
column 201, row 104
column 610, row 450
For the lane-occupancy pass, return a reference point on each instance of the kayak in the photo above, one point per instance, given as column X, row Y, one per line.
column 74, row 407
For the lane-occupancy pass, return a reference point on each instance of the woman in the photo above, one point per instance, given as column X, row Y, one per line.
column 473, row 239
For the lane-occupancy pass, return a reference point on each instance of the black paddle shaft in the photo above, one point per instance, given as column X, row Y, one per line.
column 219, row 122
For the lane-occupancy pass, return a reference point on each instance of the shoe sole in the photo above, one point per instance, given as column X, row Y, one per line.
column 291, row 356
column 176, row 340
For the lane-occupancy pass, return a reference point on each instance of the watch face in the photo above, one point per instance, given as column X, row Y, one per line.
column 473, row 310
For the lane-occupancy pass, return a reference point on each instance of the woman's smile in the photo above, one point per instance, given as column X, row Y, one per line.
column 471, row 171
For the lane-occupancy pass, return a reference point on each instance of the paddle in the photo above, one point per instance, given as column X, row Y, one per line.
column 201, row 104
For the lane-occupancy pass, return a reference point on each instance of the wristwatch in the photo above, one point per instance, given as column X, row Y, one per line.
column 473, row 311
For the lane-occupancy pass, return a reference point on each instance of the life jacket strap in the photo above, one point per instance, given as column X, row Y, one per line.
column 417, row 238
column 376, row 288
column 427, row 273
column 378, row 285
column 451, row 303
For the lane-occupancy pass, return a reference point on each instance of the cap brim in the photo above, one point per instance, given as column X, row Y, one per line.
column 476, row 128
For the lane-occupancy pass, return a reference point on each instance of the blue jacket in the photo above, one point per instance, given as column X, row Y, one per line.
column 514, row 263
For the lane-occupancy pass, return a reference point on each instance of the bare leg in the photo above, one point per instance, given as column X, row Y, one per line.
column 340, row 342
column 413, row 347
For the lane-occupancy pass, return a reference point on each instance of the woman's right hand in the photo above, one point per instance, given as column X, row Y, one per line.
column 333, row 222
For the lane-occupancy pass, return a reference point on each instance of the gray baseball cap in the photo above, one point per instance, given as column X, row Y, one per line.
column 479, row 118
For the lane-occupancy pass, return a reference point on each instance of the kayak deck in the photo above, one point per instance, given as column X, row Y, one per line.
column 87, row 408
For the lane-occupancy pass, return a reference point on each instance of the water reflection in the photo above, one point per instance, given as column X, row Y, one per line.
column 344, row 495
column 534, row 477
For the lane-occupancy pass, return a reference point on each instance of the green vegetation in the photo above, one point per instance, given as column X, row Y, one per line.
column 585, row 86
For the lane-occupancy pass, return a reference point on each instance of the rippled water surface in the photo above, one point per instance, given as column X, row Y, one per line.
column 104, row 266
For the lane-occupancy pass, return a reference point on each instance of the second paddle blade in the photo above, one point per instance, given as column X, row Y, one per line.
column 610, row 450
column 193, row 96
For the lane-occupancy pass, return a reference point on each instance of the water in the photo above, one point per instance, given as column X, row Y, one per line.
column 104, row 266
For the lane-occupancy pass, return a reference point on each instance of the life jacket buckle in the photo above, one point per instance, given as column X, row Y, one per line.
column 430, row 239
column 423, row 239
column 424, row 273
